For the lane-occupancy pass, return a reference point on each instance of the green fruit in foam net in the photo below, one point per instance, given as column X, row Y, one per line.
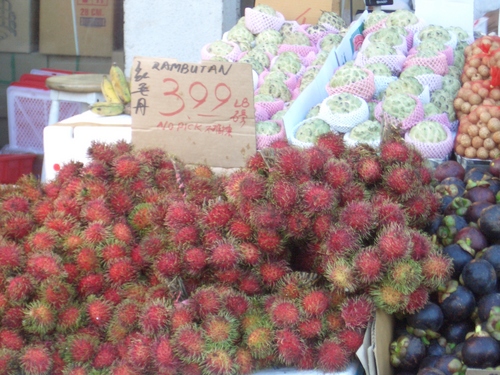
column 263, row 98
column 343, row 103
column 461, row 34
column 256, row 65
column 408, row 85
column 279, row 115
column 430, row 109
column 346, row 75
column 415, row 70
column 451, row 84
column 444, row 101
column 458, row 59
column 316, row 29
column 379, row 69
column 436, row 33
column 275, row 88
column 428, row 132
column 425, row 53
column 287, row 28
column 332, row 19
column 239, row 33
column 313, row 112
column 287, row 62
column 367, row 131
column 260, row 56
column 266, row 48
column 432, row 45
column 220, row 48
column 311, row 129
column 296, row 38
column 266, row 9
column 401, row 17
column 388, row 35
column 330, row 41
column 399, row 105
column 269, row 36
column 375, row 17
column 218, row 58
column 309, row 76
column 379, row 49
column 276, row 75
column 320, row 58
column 267, row 128
column 371, row 109
column 455, row 72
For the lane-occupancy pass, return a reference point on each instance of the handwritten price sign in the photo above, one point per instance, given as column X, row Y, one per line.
column 207, row 105
column 304, row 12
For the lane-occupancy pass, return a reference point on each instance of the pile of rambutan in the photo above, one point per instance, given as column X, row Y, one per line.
column 136, row 263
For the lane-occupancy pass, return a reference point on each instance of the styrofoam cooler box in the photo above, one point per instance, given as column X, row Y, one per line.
column 28, row 108
column 354, row 368
column 70, row 139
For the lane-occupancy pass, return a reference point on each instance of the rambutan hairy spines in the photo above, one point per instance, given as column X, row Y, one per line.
column 368, row 265
column 369, row 170
column 341, row 274
column 284, row 313
column 11, row 339
column 224, row 255
column 220, row 330
column 436, row 269
column 351, row 339
column 387, row 298
column 252, row 186
column 121, row 271
column 20, row 289
column 406, row 275
column 271, row 272
column 357, row 311
column 189, row 342
column 337, row 173
column 153, row 319
column 298, row 224
column 393, row 243
column 219, row 361
column 15, row 203
column 401, row 179
column 290, row 348
column 332, row 143
column 194, row 260
column 267, row 216
column 332, row 356
column 70, row 319
column 41, row 266
column 360, row 216
column 126, row 167
column 394, row 152
column 40, row 318
column 417, row 300
column 240, row 229
column 283, row 193
column 35, row 360
column 316, row 159
column 218, row 215
column 317, row 197
column 56, row 291
column 269, row 241
column 206, row 300
column 315, row 302
column 389, row 212
column 256, row 163
column 339, row 241
column 179, row 214
column 99, row 311
column 260, row 341
column 106, row 355
column 290, row 162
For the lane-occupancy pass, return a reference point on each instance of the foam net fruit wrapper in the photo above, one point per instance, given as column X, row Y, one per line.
column 343, row 122
column 438, row 64
column 425, row 95
column 261, row 114
column 270, row 107
column 387, row 120
column 452, row 43
column 364, row 88
column 353, row 143
column 231, row 56
column 393, row 62
column 448, row 52
column 433, row 81
column 291, row 82
column 294, row 141
column 412, row 30
column 379, row 25
column 443, row 119
column 257, row 22
column 264, row 141
column 381, row 83
column 438, row 150
column 300, row 50
column 316, row 37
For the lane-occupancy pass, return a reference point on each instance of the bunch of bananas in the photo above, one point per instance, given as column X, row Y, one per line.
column 116, row 91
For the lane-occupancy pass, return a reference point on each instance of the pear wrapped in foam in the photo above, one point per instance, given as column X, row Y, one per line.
column 399, row 105
column 428, row 132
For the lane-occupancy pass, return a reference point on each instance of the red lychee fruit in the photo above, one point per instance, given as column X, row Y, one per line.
column 393, row 243
column 315, row 302
column 337, row 173
column 357, row 311
column 284, row 313
column 35, row 360
column 332, row 143
column 332, row 356
column 289, row 346
column 284, row 194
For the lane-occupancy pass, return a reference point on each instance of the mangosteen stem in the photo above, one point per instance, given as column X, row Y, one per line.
column 465, row 244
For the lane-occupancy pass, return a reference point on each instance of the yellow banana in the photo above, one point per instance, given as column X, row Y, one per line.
column 107, row 108
column 120, row 83
column 108, row 91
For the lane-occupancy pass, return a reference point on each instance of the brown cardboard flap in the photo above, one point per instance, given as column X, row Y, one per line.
column 19, row 26
column 481, row 372
column 198, row 147
column 384, row 329
column 304, row 12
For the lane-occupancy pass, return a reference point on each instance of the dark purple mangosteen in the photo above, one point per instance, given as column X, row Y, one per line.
column 474, row 211
column 471, row 239
column 481, row 352
column 456, row 301
column 480, row 194
column 448, row 169
column 406, row 352
column 449, row 364
column 455, row 333
column 485, row 304
column 492, row 255
column 430, row 371
column 460, row 258
column 426, row 322
column 480, row 277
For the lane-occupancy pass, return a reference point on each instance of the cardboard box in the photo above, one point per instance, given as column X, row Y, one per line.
column 80, row 63
column 77, row 27
column 303, row 11
column 19, row 26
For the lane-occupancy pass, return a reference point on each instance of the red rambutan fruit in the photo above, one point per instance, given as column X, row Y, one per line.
column 8, row 361
column 219, row 214
column 252, row 186
column 67, row 206
column 13, row 317
column 256, row 163
column 11, row 339
column 97, row 210
column 436, row 269
column 337, row 173
column 353, row 191
column 290, row 162
column 249, row 253
column 389, row 212
column 180, row 214
column 280, row 143
column 269, row 241
column 112, row 251
column 127, row 313
column 333, row 320
column 56, row 292
column 121, row 271
column 163, row 354
column 351, row 339
column 315, row 302
column 194, row 260
column 87, row 259
column 122, row 368
column 126, row 167
column 332, row 142
column 41, row 266
column 41, row 210
column 321, row 224
column 139, row 353
column 98, row 311
column 359, row 216
column 357, row 311
column 401, row 179
column 218, row 361
column 15, row 203
column 317, row 197
column 368, row 265
column 181, row 314
column 69, row 319
column 406, row 275
column 284, row 313
column 284, row 194
column 206, row 300
column 220, row 329
column 417, row 300
column 240, row 229
column 332, row 356
column 393, row 243
column 106, row 355
column 91, row 284
column 298, row 224
column 250, row 284
column 339, row 241
column 95, row 232
column 153, row 318
column 267, row 216
column 228, row 277
column 272, row 271
column 310, row 328
column 16, row 225
column 189, row 342
column 186, row 236
column 394, row 152
column 316, row 159
column 43, row 240
column 340, row 273
column 168, row 265
column 290, row 348
column 20, row 289
column 120, row 200
column 260, row 341
column 244, row 361
column 422, row 245
column 236, row 303
column 35, row 360
column 224, row 256
column 369, row 170
column 39, row 318
column 122, row 232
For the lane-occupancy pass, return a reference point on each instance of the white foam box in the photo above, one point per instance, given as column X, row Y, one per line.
column 70, row 139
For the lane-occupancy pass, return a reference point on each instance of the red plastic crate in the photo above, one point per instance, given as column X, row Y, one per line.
column 13, row 166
